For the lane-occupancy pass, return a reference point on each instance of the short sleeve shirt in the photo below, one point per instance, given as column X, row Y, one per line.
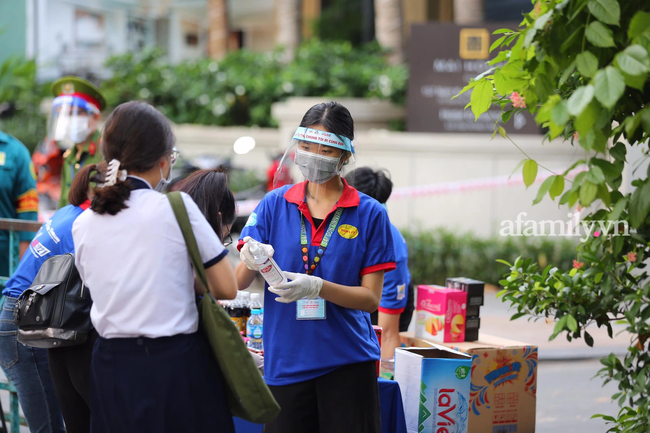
column 18, row 198
column 395, row 293
column 300, row 350
column 54, row 238
column 137, row 267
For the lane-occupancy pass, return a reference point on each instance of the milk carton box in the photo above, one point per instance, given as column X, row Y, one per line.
column 440, row 314
column 435, row 387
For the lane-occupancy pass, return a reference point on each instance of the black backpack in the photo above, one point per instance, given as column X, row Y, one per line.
column 55, row 310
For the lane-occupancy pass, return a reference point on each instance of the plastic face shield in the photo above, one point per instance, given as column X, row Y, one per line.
column 319, row 156
column 71, row 121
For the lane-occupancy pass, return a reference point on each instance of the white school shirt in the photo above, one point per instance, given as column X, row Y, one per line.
column 137, row 267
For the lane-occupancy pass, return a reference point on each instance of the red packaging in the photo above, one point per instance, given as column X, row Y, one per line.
column 440, row 314
column 378, row 333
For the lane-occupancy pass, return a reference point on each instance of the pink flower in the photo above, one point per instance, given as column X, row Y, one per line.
column 578, row 265
column 518, row 101
column 575, row 135
column 631, row 256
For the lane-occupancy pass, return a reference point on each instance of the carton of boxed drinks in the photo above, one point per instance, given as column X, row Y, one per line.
column 504, row 385
column 435, row 387
column 440, row 314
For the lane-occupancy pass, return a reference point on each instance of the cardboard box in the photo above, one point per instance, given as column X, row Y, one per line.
column 504, row 384
column 378, row 331
column 473, row 310
column 471, row 334
column 474, row 288
column 435, row 387
column 440, row 314
column 472, row 322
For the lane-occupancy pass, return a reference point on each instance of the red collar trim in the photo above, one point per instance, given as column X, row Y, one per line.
column 349, row 198
column 85, row 205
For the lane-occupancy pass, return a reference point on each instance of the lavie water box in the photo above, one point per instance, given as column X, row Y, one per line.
column 435, row 386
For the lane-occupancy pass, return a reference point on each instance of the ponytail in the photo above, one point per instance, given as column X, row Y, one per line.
column 376, row 184
column 108, row 200
column 111, row 199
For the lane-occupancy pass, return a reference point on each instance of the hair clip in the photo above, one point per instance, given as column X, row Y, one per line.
column 113, row 174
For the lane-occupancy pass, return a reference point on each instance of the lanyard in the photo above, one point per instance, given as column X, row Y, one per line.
column 323, row 245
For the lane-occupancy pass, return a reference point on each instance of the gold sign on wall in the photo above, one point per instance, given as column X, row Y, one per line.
column 474, row 43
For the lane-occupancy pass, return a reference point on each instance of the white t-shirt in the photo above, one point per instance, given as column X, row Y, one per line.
column 137, row 267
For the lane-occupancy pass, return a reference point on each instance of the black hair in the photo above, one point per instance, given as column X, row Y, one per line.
column 332, row 116
column 209, row 190
column 376, row 184
column 137, row 135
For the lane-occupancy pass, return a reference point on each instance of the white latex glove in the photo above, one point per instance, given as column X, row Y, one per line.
column 301, row 286
column 247, row 258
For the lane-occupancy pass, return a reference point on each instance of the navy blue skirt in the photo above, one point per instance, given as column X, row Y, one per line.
column 168, row 384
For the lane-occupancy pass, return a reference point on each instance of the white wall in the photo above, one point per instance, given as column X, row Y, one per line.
column 421, row 159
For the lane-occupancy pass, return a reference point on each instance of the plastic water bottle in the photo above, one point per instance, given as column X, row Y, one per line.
column 270, row 270
column 255, row 302
column 254, row 330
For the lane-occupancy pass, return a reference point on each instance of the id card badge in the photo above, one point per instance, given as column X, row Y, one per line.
column 310, row 309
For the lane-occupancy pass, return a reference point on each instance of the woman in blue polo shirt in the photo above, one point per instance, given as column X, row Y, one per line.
column 377, row 184
column 334, row 244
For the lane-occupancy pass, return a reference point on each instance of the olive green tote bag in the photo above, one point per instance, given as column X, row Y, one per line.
column 248, row 396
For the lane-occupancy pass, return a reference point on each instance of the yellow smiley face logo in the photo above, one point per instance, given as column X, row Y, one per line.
column 348, row 232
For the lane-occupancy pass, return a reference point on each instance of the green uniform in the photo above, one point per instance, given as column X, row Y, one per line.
column 18, row 198
column 71, row 165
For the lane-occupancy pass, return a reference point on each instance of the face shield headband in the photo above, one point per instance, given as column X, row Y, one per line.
column 74, row 101
column 322, row 137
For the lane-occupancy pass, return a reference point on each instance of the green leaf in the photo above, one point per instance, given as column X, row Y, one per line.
column 580, row 99
column 618, row 152
column 609, row 85
column 645, row 121
column 607, row 11
column 604, row 195
column 559, row 327
column 560, row 114
column 530, row 35
column 596, row 175
column 481, row 98
column 618, row 209
column 634, row 60
column 529, row 172
column 587, row 119
column 502, row 131
column 543, row 87
column 497, row 43
column 635, row 81
column 543, row 189
column 517, row 167
column 469, row 86
column 567, row 73
column 571, row 323
column 599, row 35
column 557, row 187
column 640, row 204
column 502, row 31
column 639, row 24
column 589, row 339
column 588, row 192
column 587, row 64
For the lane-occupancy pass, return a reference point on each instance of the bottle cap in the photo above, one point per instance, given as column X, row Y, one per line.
column 256, row 311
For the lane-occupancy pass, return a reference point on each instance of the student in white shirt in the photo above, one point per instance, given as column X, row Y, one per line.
column 151, row 370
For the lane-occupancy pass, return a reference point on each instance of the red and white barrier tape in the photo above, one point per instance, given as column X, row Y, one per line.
column 470, row 185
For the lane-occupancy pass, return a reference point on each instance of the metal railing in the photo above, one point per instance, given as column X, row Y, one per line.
column 14, row 226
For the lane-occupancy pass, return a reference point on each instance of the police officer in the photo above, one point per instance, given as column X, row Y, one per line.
column 73, row 127
column 18, row 198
